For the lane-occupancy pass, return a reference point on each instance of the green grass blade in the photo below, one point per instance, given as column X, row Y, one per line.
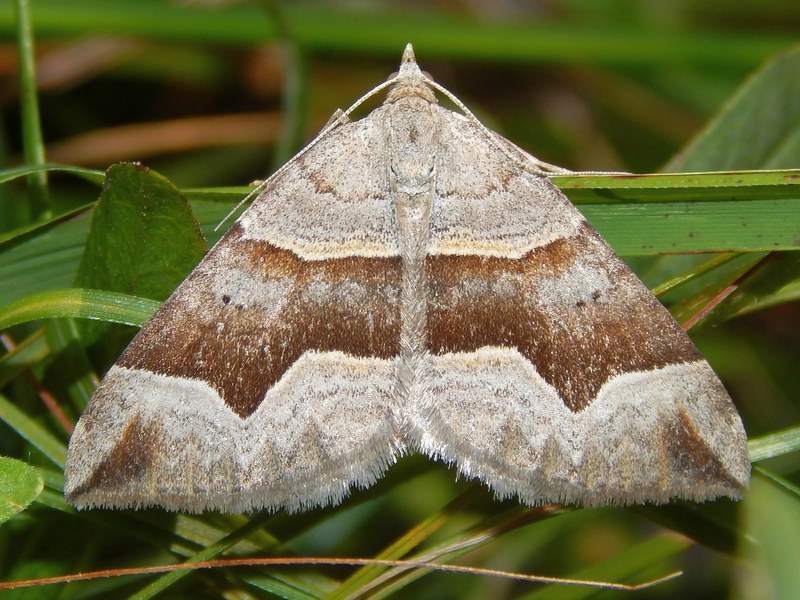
column 32, row 430
column 33, row 144
column 323, row 28
column 775, row 444
column 79, row 303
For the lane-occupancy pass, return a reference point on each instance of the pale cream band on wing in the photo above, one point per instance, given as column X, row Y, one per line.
column 328, row 419
column 488, row 411
column 468, row 216
column 493, row 415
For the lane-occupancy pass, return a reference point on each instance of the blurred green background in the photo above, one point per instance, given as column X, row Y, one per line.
column 215, row 93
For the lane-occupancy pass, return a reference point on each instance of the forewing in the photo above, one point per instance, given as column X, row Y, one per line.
column 555, row 374
column 265, row 381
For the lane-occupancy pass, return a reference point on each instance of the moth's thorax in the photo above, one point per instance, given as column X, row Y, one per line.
column 409, row 85
column 412, row 131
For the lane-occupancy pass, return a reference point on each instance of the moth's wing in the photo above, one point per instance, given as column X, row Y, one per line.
column 555, row 374
column 245, row 391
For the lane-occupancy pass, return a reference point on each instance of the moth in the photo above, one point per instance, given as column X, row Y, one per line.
column 410, row 281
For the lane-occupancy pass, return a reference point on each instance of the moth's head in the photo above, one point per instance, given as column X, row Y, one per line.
column 410, row 81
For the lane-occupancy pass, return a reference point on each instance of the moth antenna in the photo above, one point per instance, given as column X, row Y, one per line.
column 254, row 192
column 542, row 167
column 336, row 119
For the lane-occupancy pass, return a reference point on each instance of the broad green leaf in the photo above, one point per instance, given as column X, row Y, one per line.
column 143, row 238
column 20, row 484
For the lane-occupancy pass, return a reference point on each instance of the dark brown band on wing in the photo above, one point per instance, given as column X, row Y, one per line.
column 241, row 350
column 576, row 348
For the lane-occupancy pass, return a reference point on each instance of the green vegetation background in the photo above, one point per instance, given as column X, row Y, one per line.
column 219, row 94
